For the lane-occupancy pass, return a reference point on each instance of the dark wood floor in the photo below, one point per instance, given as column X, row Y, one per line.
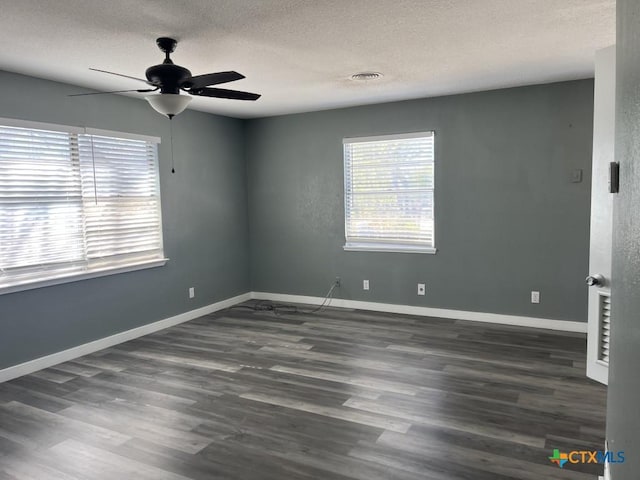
column 337, row 395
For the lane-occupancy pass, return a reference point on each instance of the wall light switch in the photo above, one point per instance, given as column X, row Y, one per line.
column 192, row 292
column 421, row 288
column 535, row 297
column 365, row 284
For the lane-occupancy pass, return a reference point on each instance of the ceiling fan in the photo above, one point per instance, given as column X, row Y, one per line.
column 170, row 79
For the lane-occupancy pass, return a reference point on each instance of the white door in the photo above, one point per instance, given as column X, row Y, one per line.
column 601, row 216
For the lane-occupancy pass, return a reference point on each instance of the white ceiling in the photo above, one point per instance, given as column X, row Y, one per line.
column 300, row 54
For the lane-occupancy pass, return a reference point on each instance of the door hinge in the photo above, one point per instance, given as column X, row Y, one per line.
column 614, row 177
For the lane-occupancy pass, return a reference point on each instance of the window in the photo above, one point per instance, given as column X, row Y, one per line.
column 389, row 184
column 75, row 203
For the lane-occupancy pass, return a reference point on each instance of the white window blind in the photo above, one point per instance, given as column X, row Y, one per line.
column 121, row 198
column 389, row 186
column 73, row 204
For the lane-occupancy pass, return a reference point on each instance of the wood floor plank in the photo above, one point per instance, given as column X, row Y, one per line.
column 373, row 419
column 86, row 461
column 249, row 394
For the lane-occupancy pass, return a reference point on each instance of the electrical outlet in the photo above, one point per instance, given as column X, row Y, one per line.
column 421, row 288
column 365, row 284
column 535, row 297
column 192, row 292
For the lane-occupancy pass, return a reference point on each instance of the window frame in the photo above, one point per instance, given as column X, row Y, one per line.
column 66, row 273
column 385, row 245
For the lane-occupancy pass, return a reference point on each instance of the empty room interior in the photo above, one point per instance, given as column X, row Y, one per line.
column 336, row 240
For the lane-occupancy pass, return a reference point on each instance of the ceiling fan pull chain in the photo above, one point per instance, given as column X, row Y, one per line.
column 173, row 168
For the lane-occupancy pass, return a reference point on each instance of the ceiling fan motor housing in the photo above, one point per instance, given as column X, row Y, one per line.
column 168, row 77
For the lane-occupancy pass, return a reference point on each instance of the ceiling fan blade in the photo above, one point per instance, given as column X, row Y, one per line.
column 114, row 91
column 224, row 93
column 121, row 75
column 201, row 81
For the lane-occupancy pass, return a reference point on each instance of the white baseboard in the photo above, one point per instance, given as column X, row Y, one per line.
column 546, row 323
column 100, row 344
column 75, row 352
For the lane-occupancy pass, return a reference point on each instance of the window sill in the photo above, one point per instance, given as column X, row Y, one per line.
column 75, row 277
column 390, row 248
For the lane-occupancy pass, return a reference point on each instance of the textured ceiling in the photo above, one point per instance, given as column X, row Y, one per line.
column 300, row 54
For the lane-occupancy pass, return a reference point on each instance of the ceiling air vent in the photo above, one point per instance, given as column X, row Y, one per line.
column 366, row 76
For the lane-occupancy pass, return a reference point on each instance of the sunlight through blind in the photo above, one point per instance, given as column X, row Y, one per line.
column 121, row 197
column 389, row 185
column 71, row 203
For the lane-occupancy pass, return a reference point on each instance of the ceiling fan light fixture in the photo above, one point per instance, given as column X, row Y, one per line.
column 169, row 104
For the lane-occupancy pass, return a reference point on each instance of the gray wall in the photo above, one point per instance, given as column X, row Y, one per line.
column 204, row 209
column 508, row 219
column 623, row 406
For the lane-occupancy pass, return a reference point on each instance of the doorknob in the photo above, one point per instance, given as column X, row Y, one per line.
column 596, row 280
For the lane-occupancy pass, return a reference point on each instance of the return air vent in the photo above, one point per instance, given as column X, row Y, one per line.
column 605, row 328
